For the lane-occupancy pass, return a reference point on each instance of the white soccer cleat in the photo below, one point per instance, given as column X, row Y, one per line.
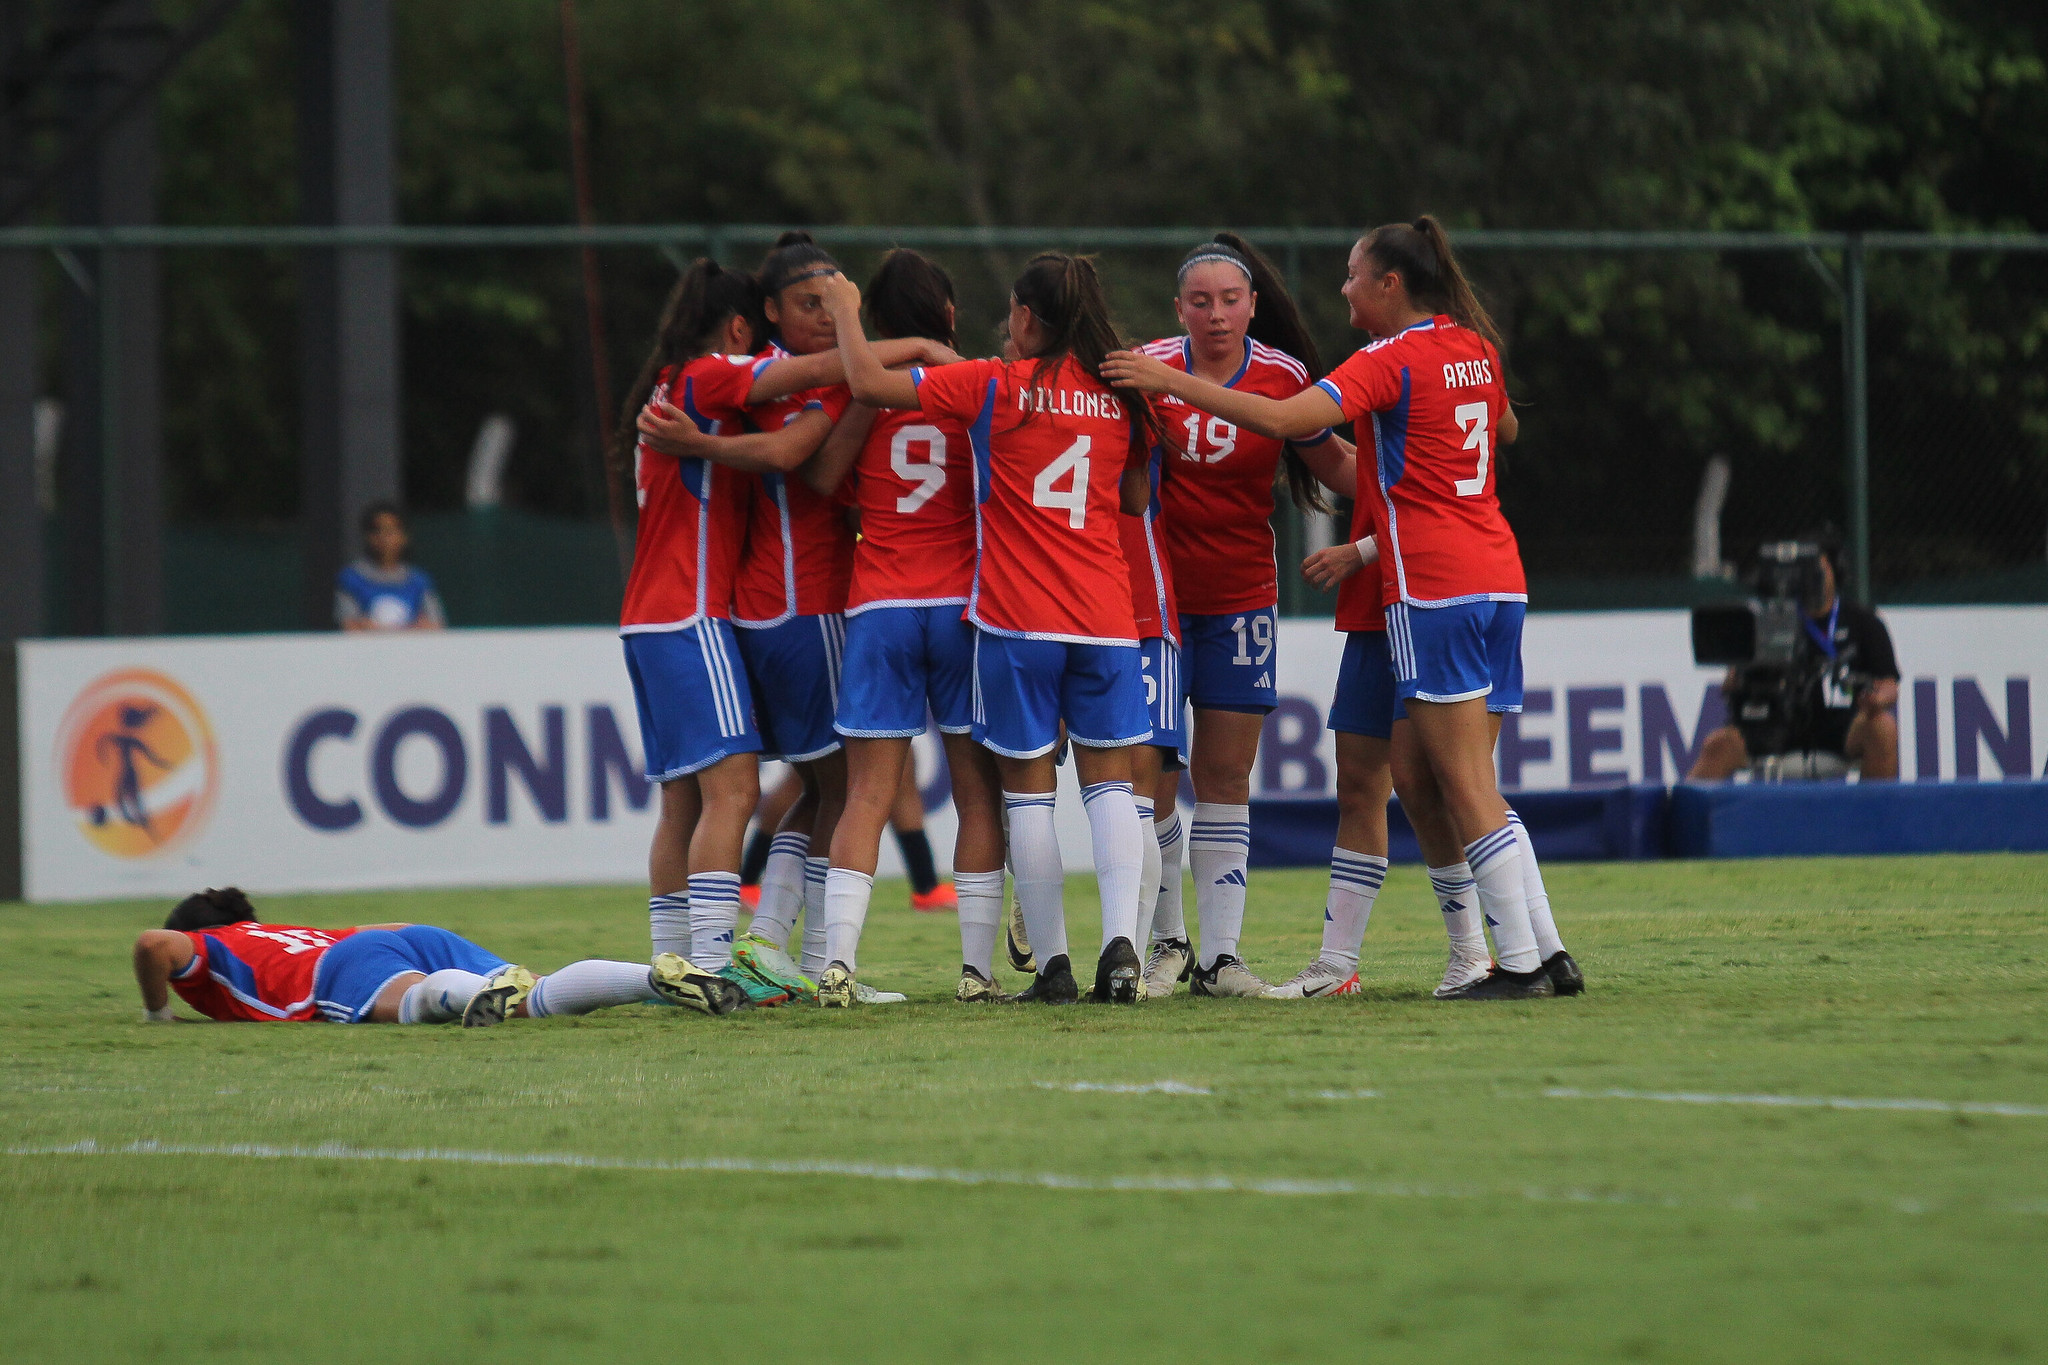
column 1228, row 977
column 1320, row 978
column 1167, row 967
column 868, row 995
column 1465, row 968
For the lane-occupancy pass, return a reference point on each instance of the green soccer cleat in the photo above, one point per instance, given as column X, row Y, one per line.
column 759, row 994
column 502, row 994
column 765, row 962
column 675, row 980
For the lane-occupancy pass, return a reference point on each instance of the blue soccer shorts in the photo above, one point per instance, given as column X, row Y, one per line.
column 902, row 662
column 692, row 695
column 1455, row 653
column 1023, row 689
column 1366, row 703
column 794, row 668
column 356, row 970
column 1230, row 660
column 1159, row 662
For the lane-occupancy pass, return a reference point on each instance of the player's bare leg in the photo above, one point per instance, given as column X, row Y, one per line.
column 873, row 777
column 1358, row 865
column 978, row 852
column 728, row 790
column 668, row 866
column 1226, row 743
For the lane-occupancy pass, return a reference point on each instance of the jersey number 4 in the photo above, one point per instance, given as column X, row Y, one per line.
column 929, row 475
column 1471, row 418
column 1074, row 498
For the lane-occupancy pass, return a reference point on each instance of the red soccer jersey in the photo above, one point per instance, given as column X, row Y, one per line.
column 914, row 486
column 1361, row 598
column 1151, row 576
column 1435, row 397
column 1047, row 460
column 693, row 513
column 1218, row 500
column 798, row 559
column 260, row 972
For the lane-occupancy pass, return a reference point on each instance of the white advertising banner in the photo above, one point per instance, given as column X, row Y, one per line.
column 324, row 762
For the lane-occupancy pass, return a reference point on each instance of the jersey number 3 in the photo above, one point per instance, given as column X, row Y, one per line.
column 1471, row 419
column 1074, row 499
column 929, row 475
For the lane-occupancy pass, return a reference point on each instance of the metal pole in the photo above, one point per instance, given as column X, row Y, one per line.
column 1856, row 405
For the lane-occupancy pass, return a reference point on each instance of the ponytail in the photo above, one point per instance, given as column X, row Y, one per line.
column 1064, row 294
column 1277, row 323
column 1420, row 252
column 705, row 296
column 911, row 296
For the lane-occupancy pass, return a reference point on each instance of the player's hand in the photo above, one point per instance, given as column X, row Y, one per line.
column 936, row 353
column 1136, row 370
column 1325, row 569
column 842, row 298
column 670, row 433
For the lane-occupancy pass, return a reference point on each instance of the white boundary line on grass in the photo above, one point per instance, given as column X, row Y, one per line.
column 2017, row 1111
column 335, row 1151
column 1125, row 1088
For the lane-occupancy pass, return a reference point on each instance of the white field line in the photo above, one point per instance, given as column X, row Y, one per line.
column 1213, row 1184
column 2017, row 1111
column 1105, row 1088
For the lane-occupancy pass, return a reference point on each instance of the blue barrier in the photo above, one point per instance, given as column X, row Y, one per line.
column 1878, row 817
column 1592, row 824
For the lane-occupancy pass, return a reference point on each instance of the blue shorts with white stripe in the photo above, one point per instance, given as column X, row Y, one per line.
column 795, row 671
column 692, row 694
column 1166, row 695
column 1458, row 652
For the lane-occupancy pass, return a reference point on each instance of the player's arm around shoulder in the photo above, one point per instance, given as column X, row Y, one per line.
column 160, row 954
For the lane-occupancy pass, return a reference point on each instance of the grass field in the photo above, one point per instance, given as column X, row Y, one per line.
column 1391, row 1178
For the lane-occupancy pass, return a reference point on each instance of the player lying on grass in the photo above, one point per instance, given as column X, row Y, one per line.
column 226, row 964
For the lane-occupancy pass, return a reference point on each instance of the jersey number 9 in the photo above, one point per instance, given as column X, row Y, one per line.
column 929, row 476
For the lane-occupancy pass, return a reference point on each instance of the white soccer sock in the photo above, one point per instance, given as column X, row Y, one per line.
column 782, row 887
column 669, row 917
column 1119, row 857
column 981, row 918
column 1354, row 884
column 1168, row 919
column 714, row 915
column 592, row 984
column 442, row 997
column 1041, row 876
column 1458, row 897
column 814, row 959
column 1547, row 941
column 1496, row 861
column 1148, row 874
column 1219, row 847
column 846, row 911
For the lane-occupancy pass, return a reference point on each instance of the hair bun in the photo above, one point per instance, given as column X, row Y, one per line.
column 795, row 237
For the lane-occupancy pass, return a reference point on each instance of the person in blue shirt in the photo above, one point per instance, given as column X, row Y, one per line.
column 381, row 591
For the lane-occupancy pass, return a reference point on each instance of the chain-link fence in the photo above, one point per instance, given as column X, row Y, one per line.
column 1685, row 396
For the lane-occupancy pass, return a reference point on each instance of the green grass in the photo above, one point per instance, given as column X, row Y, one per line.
column 1487, row 1216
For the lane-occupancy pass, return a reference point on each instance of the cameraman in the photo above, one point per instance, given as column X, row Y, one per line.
column 1850, row 721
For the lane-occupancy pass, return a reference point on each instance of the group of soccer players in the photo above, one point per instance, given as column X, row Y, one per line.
column 1063, row 550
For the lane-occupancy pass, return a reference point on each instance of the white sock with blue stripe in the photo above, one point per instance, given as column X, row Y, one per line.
column 981, row 918
column 814, row 958
column 847, row 893
column 1547, row 941
column 1355, row 880
column 669, row 918
column 1148, row 873
column 1119, row 857
column 592, row 984
column 782, row 887
column 1458, row 897
column 1496, row 861
column 714, row 915
column 441, row 997
column 1041, row 875
column 1219, row 849
column 1169, row 920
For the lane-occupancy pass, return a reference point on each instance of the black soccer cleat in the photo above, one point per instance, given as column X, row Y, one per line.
column 1116, row 974
column 1054, row 985
column 1502, row 984
column 1565, row 976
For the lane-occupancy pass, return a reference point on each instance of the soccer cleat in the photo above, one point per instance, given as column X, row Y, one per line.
column 1171, row 961
column 678, row 982
column 1464, row 969
column 940, row 900
column 1228, row 977
column 1052, row 986
column 1565, row 976
column 499, row 997
column 868, row 995
column 835, row 987
column 1016, row 942
column 976, row 989
column 1118, row 978
column 1502, row 984
column 1318, row 979
column 759, row 993
column 765, row 961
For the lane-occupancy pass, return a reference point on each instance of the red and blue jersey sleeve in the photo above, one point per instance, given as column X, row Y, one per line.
column 255, row 972
column 1370, row 381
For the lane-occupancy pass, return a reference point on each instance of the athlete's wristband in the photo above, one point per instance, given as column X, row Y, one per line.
column 1368, row 549
column 161, row 1016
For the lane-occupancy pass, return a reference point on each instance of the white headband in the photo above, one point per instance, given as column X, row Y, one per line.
column 1191, row 262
